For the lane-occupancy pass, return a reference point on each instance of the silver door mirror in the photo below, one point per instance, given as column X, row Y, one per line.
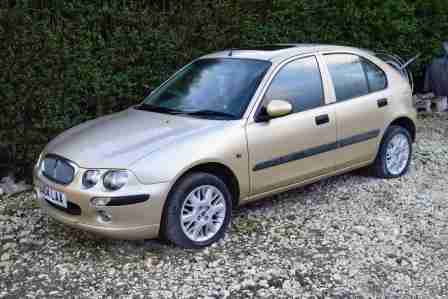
column 277, row 108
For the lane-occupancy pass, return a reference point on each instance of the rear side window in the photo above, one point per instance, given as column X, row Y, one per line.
column 300, row 83
column 348, row 76
column 375, row 76
column 354, row 76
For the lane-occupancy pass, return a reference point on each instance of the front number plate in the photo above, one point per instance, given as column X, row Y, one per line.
column 53, row 196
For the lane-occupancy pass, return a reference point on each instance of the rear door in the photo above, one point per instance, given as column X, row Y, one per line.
column 362, row 98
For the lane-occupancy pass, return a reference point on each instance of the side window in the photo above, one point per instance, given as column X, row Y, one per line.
column 348, row 76
column 375, row 76
column 300, row 83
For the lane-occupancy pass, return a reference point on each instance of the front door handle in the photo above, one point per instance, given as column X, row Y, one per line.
column 322, row 119
column 382, row 103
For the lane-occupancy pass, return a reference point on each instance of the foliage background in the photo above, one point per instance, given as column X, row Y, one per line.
column 64, row 62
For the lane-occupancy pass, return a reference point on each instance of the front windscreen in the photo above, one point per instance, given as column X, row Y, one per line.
column 210, row 87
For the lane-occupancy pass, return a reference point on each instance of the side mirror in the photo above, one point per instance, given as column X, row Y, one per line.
column 275, row 108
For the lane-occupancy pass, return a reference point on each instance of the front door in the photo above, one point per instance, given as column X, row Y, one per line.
column 298, row 146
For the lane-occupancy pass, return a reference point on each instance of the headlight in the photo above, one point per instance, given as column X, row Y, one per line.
column 115, row 179
column 90, row 178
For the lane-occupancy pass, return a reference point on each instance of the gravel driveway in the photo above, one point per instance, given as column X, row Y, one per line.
column 348, row 236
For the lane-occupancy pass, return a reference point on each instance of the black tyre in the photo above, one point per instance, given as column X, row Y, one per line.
column 394, row 155
column 198, row 211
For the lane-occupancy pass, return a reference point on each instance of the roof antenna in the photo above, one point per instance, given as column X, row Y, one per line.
column 231, row 52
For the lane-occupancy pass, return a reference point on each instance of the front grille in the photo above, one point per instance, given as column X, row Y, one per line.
column 58, row 169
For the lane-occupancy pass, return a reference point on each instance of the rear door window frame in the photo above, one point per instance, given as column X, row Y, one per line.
column 361, row 57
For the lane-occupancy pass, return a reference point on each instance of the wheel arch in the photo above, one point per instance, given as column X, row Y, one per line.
column 406, row 123
column 222, row 171
column 216, row 168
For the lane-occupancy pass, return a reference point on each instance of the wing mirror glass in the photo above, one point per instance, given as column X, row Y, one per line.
column 275, row 108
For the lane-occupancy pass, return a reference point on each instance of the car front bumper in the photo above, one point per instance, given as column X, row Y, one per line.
column 129, row 221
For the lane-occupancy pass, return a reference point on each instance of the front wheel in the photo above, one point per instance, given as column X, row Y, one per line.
column 197, row 211
column 395, row 153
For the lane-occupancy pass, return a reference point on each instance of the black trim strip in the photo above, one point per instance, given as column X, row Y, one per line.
column 127, row 200
column 72, row 208
column 359, row 138
column 296, row 156
column 317, row 150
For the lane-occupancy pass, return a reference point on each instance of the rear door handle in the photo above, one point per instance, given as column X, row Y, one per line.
column 382, row 103
column 322, row 119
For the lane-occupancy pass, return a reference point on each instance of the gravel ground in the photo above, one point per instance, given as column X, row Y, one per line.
column 349, row 236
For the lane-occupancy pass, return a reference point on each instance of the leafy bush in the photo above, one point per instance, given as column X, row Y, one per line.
column 64, row 62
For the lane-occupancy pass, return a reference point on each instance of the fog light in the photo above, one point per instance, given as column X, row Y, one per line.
column 104, row 216
column 99, row 201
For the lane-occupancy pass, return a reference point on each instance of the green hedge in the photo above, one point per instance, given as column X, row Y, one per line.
column 64, row 62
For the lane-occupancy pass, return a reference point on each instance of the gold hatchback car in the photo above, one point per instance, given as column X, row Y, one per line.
column 229, row 128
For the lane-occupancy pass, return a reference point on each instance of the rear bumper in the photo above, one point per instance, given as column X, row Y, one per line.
column 130, row 221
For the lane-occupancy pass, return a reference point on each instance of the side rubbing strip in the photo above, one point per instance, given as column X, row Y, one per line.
column 359, row 138
column 296, row 156
column 317, row 150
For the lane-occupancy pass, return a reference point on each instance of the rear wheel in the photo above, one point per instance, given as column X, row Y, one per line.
column 197, row 211
column 395, row 153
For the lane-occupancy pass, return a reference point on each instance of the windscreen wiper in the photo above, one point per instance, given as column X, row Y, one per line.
column 153, row 108
column 211, row 113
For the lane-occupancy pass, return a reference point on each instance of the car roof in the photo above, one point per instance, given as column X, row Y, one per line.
column 277, row 51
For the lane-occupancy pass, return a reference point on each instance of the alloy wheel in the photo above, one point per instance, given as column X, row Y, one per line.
column 203, row 213
column 397, row 154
